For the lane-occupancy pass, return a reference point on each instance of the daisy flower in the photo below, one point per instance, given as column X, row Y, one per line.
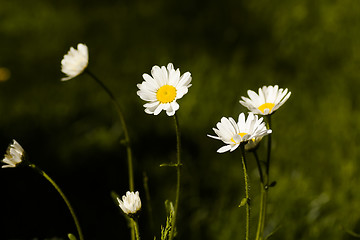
column 14, row 155
column 269, row 99
column 131, row 203
column 75, row 61
column 163, row 88
column 232, row 133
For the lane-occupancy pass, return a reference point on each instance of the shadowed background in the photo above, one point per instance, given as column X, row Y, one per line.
column 71, row 130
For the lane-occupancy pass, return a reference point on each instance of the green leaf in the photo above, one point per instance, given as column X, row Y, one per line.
column 243, row 202
column 272, row 233
column 71, row 236
column 170, row 165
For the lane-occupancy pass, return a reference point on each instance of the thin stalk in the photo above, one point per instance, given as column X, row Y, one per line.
column 243, row 161
column 178, row 173
column 268, row 123
column 136, row 228
column 148, row 200
column 47, row 177
column 123, row 123
column 259, row 227
column 263, row 196
column 259, row 166
column 265, row 187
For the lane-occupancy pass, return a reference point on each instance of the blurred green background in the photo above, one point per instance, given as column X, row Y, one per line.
column 71, row 130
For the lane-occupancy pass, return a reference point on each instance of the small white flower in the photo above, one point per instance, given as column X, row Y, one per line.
column 267, row 101
column 75, row 61
column 163, row 88
column 232, row 133
column 130, row 203
column 14, row 155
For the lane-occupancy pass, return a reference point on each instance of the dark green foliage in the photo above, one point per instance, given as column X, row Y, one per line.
column 72, row 130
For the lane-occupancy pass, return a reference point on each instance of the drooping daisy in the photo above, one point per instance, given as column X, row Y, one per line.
column 14, row 155
column 131, row 203
column 269, row 99
column 163, row 88
column 75, row 61
column 233, row 134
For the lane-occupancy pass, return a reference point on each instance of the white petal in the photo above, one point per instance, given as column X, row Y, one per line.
column 215, row 137
column 174, row 77
column 185, row 79
column 159, row 109
column 224, row 149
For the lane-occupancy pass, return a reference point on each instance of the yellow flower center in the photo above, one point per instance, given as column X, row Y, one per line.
column 266, row 106
column 166, row 94
column 241, row 135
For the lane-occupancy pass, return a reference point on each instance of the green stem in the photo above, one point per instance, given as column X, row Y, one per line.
column 258, row 231
column 42, row 173
column 243, row 161
column 261, row 212
column 259, row 166
column 148, row 200
column 136, row 228
column 263, row 196
column 123, row 123
column 178, row 172
column 264, row 188
column 268, row 149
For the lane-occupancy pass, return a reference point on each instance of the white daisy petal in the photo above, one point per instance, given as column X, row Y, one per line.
column 224, row 149
column 151, row 104
column 174, row 77
column 253, row 96
column 14, row 155
column 214, row 137
column 233, row 134
column 75, row 61
column 130, row 203
column 185, row 79
column 269, row 99
column 181, row 92
column 170, row 66
column 146, row 96
column 159, row 109
column 150, row 81
column 163, row 88
column 175, row 106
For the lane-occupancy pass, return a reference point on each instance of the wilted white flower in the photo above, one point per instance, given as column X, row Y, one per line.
column 163, row 88
column 232, row 133
column 75, row 61
column 267, row 101
column 131, row 203
column 14, row 155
